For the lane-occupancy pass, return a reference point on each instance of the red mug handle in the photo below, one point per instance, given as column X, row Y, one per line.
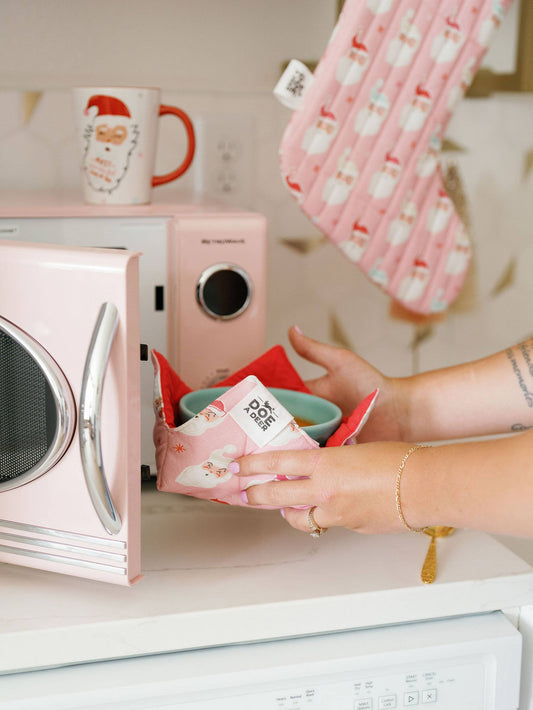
column 168, row 177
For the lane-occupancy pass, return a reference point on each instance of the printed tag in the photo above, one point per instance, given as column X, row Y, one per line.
column 260, row 415
column 293, row 84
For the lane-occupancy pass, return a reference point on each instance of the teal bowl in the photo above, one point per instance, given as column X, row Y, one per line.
column 324, row 417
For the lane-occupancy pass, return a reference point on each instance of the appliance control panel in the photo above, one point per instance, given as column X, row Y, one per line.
column 457, row 686
column 463, row 663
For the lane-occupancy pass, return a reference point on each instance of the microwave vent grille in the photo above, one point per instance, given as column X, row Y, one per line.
column 26, row 410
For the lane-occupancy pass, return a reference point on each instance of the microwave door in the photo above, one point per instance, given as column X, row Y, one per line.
column 69, row 359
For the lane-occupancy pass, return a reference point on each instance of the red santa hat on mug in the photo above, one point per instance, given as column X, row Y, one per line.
column 106, row 106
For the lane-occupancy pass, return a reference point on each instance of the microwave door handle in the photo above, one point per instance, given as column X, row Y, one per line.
column 90, row 417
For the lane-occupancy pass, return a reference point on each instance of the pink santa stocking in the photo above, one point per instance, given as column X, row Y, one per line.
column 361, row 155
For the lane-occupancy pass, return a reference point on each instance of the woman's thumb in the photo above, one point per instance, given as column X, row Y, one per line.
column 312, row 350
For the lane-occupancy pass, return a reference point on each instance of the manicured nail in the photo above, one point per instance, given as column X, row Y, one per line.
column 282, row 513
column 298, row 329
column 234, row 467
column 244, row 497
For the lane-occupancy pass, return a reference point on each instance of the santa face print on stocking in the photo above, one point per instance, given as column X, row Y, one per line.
column 110, row 140
column 413, row 286
column 467, row 77
column 351, row 67
column 428, row 161
column 415, row 113
column 385, row 180
column 355, row 246
column 446, row 45
column 319, row 137
column 439, row 215
column 370, row 118
column 211, row 472
column 379, row 7
column 401, row 227
column 338, row 186
column 403, row 48
column 459, row 257
column 391, row 75
column 491, row 24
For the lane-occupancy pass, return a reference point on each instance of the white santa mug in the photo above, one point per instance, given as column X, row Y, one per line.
column 117, row 129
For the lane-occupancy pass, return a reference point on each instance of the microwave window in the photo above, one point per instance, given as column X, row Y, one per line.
column 28, row 419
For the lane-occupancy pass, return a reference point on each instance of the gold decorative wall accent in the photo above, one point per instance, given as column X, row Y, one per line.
column 302, row 245
column 507, row 278
column 337, row 334
column 528, row 164
column 30, row 100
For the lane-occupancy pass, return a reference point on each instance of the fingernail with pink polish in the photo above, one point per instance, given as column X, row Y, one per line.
column 234, row 467
column 298, row 329
column 244, row 497
column 282, row 513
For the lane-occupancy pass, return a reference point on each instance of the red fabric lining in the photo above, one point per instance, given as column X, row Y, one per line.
column 273, row 369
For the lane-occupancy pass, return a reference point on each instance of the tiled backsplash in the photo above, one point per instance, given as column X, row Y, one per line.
column 312, row 284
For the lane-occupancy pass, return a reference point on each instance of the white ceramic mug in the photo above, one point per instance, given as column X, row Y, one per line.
column 117, row 129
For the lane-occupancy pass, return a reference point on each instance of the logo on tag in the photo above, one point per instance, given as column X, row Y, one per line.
column 260, row 415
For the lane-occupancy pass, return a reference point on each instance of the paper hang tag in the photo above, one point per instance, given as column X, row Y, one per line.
column 293, row 84
column 260, row 415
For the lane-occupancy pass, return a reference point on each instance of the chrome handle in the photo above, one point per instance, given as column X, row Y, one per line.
column 90, row 417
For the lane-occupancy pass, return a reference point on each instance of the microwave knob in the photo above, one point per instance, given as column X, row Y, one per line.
column 224, row 291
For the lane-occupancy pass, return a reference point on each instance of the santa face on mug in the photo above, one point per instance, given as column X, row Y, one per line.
column 110, row 139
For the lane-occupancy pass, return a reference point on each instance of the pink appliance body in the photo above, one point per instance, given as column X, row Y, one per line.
column 163, row 266
column 180, row 243
column 53, row 295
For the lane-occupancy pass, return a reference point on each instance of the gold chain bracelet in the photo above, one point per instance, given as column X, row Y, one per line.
column 398, row 481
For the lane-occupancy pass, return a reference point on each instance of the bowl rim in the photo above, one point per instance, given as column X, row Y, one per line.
column 336, row 411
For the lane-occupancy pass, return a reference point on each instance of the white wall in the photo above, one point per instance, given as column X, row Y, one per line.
column 222, row 58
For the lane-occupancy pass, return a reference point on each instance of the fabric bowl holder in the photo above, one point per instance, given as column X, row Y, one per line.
column 193, row 458
column 361, row 152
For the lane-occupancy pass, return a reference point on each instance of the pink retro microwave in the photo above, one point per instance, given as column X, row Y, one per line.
column 82, row 289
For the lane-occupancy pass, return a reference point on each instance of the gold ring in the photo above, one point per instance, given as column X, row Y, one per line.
column 316, row 530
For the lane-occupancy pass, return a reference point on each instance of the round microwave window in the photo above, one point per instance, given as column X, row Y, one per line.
column 224, row 291
column 28, row 419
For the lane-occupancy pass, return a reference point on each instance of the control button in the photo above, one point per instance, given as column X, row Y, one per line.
column 386, row 701
column 429, row 695
column 364, row 704
column 410, row 698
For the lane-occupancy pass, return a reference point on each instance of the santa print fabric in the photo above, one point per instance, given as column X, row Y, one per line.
column 192, row 458
column 361, row 155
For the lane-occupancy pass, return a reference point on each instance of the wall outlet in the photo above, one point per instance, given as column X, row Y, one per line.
column 224, row 161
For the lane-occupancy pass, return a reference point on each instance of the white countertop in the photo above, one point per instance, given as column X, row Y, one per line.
column 217, row 575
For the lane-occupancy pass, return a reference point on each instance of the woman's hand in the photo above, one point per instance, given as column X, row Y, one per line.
column 350, row 379
column 351, row 486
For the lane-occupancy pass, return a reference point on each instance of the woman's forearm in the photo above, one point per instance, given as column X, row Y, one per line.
column 486, row 485
column 489, row 396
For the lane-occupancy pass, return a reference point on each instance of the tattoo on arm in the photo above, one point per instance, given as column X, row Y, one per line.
column 524, row 349
column 520, row 427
